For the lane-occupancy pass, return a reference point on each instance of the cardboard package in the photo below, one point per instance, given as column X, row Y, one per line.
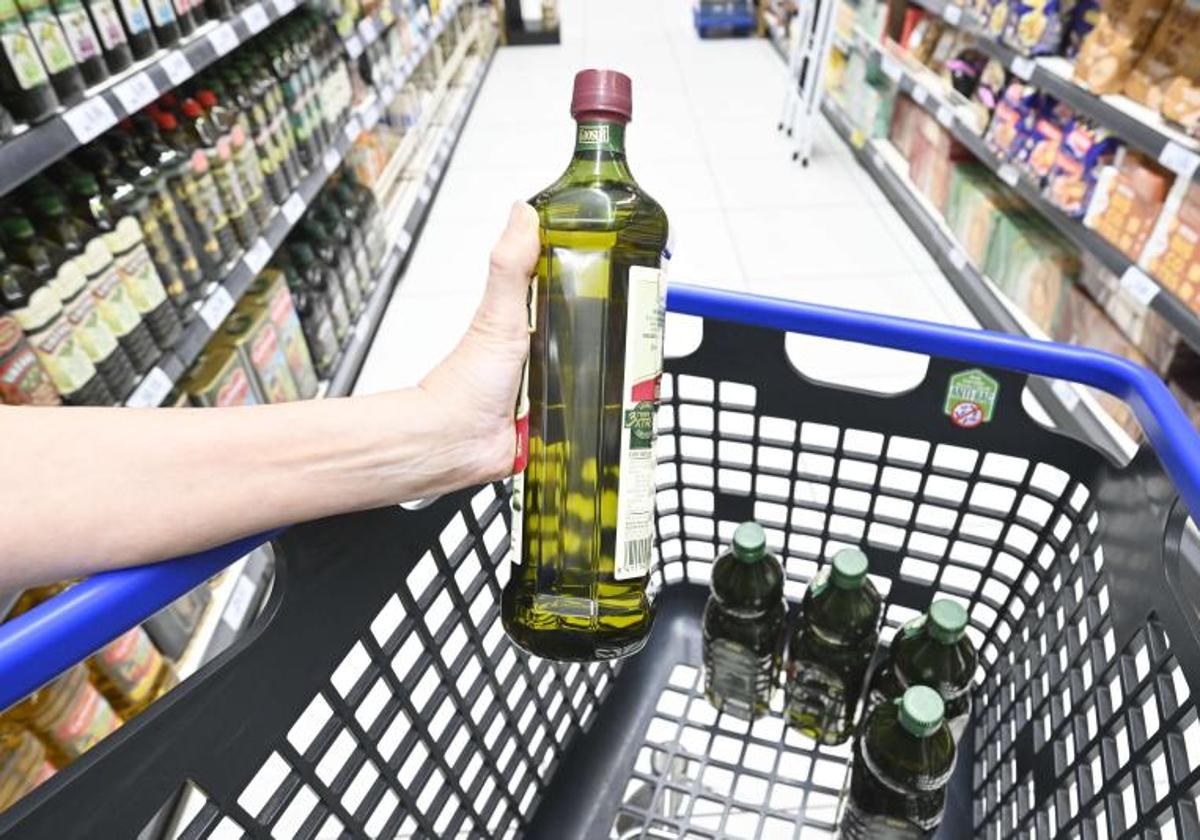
column 1181, row 103
column 221, row 378
column 1113, row 47
column 906, row 117
column 977, row 200
column 1035, row 27
column 269, row 292
column 932, row 159
column 1145, row 329
column 1086, row 149
column 1175, row 260
column 1173, row 52
column 1127, row 201
column 1032, row 265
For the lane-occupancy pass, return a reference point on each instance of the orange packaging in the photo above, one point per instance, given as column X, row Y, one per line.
column 1175, row 261
column 1110, row 51
column 1127, row 202
column 1172, row 53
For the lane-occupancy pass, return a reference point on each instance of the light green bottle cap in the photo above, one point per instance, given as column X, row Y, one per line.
column 749, row 542
column 921, row 711
column 947, row 621
column 849, row 569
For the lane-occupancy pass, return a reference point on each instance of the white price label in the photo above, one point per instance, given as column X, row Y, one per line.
column 360, row 331
column 223, row 38
column 891, row 67
column 353, row 127
column 135, row 92
column 957, row 258
column 434, row 171
column 218, row 305
column 256, row 18
column 282, row 7
column 366, row 30
column 293, row 208
column 151, row 391
column 1022, row 67
column 1066, row 393
column 920, row 95
column 876, row 160
column 404, row 240
column 354, row 46
column 945, row 115
column 1008, row 174
column 177, row 67
column 1140, row 287
column 387, row 92
column 257, row 256
column 89, row 119
column 952, row 14
column 371, row 115
column 239, row 603
column 425, row 194
column 1179, row 160
column 331, row 160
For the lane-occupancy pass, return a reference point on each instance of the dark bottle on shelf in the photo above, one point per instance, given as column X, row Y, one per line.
column 336, row 258
column 830, row 648
column 55, row 51
column 902, row 766
column 245, row 157
column 933, row 650
column 270, row 152
column 315, row 320
column 162, row 17
column 318, row 278
column 138, row 28
column 220, row 158
column 25, row 87
column 360, row 207
column 83, row 40
column 7, row 125
column 23, row 380
column 184, row 17
column 350, row 237
column 744, row 626
column 199, row 13
column 107, row 22
column 218, row 9
column 295, row 104
column 266, row 89
column 40, row 313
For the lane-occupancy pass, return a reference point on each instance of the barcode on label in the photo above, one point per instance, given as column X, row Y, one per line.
column 1140, row 287
column 152, row 390
column 89, row 119
column 223, row 38
column 177, row 67
column 135, row 92
column 637, row 554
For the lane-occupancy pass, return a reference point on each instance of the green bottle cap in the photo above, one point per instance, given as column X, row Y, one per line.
column 921, row 711
column 749, row 542
column 947, row 621
column 17, row 227
column 849, row 568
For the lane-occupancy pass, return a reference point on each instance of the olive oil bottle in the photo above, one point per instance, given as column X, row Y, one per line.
column 744, row 624
column 583, row 496
column 831, row 647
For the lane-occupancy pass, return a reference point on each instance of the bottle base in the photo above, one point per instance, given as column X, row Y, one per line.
column 572, row 646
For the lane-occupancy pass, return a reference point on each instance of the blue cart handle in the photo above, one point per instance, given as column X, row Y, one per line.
column 47, row 640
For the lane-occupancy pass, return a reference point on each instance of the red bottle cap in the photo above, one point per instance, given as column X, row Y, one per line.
column 207, row 98
column 192, row 109
column 166, row 121
column 168, row 100
column 602, row 94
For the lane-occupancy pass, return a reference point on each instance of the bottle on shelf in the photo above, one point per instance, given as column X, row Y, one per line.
column 296, row 104
column 266, row 89
column 358, row 203
column 348, row 236
column 246, row 167
column 23, row 380
column 55, row 51
column 166, row 28
column 312, row 307
column 138, row 28
column 933, row 650
column 68, row 714
column 337, row 260
column 83, row 40
column 579, row 590
column 830, row 649
column 317, row 277
column 184, row 17
column 902, row 766
column 220, row 159
column 270, row 149
column 23, row 762
column 39, row 311
column 218, row 9
column 25, row 88
column 113, row 41
column 744, row 626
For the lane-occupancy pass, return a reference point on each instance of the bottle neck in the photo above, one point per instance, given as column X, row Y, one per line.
column 599, row 150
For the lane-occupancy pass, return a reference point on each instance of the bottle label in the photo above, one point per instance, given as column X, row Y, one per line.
column 227, row 183
column 108, row 24
column 22, row 380
column 131, row 663
column 600, row 136
column 236, row 389
column 135, row 16
column 105, row 280
column 163, row 14
column 93, row 333
column 645, row 313
column 23, row 57
column 52, row 44
column 52, row 339
column 88, row 719
column 80, row 35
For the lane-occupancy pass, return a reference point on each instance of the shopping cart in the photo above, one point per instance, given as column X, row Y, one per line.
column 377, row 695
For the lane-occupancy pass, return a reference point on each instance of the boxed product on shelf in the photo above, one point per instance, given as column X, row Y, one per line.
column 1174, row 259
column 1173, row 52
column 977, row 201
column 252, row 335
column 269, row 292
column 1084, row 17
column 1127, row 200
column 1142, row 327
column 1012, row 119
column 906, row 117
column 220, row 378
column 1181, row 103
column 1085, row 151
column 1032, row 265
column 933, row 155
column 1035, row 27
column 1048, row 125
column 1113, row 47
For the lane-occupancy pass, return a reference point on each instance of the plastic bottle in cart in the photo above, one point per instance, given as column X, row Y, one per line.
column 69, row 715
column 902, row 765
column 316, row 276
column 583, row 496
column 82, row 39
column 25, row 87
column 933, row 650
column 830, row 649
column 113, row 41
column 23, row 762
column 52, row 45
column 744, row 626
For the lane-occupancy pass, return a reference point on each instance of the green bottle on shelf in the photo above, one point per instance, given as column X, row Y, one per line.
column 933, row 650
column 583, row 505
column 55, row 51
column 337, row 260
column 831, row 647
column 83, row 40
column 317, row 277
column 902, row 766
column 744, row 626
column 351, row 238
column 25, row 88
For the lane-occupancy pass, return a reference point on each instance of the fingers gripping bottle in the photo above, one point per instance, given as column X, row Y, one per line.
column 583, row 497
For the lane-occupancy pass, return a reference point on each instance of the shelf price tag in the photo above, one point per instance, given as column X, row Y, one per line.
column 1008, row 174
column 1022, row 67
column 1179, row 160
column 387, row 92
column 945, row 115
column 957, row 258
column 223, row 39
column 371, row 115
column 331, row 160
column 135, row 92
column 920, row 95
column 857, row 138
column 367, row 30
column 952, row 14
column 1066, row 392
column 425, row 194
column 354, row 46
column 282, row 7
column 214, row 310
column 89, row 119
column 293, row 208
column 353, row 127
column 404, row 240
column 177, row 67
column 890, row 67
column 255, row 18
column 151, row 391
column 1140, row 287
column 257, row 256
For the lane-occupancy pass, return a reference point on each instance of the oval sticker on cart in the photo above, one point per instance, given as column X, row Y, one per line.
column 971, row 398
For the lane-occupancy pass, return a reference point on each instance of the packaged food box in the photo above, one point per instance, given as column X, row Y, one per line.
column 1032, row 265
column 1141, row 326
column 1084, row 17
column 1113, row 47
column 1038, row 152
column 1173, row 52
column 977, row 201
column 1181, row 103
column 269, row 292
column 932, row 158
column 907, row 116
column 1174, row 260
column 220, row 378
column 1127, row 200
column 1012, row 120
column 253, row 335
column 1035, row 27
column 1085, row 150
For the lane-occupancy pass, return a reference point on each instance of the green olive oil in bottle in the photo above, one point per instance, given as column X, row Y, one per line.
column 583, row 496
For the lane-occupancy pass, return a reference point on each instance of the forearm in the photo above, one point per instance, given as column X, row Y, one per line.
column 120, row 487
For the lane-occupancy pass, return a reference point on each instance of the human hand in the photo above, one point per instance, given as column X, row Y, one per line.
column 475, row 387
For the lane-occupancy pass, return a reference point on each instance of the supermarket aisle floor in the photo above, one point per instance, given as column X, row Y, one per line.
column 703, row 142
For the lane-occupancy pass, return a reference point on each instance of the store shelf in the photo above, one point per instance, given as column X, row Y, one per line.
column 1140, row 127
column 36, row 147
column 1142, row 287
column 210, row 312
column 1062, row 402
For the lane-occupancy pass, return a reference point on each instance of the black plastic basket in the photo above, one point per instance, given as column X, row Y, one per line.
column 377, row 695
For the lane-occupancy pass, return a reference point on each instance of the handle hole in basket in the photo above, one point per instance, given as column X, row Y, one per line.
column 854, row 366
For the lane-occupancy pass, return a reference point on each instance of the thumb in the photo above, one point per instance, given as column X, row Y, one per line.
column 513, row 261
